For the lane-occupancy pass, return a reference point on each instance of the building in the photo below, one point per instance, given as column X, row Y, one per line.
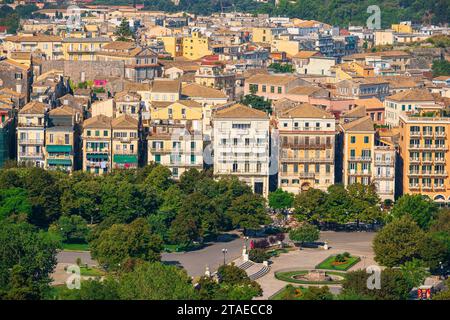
column 16, row 77
column 271, row 87
column 363, row 88
column 49, row 46
column 141, row 64
column 62, row 140
column 97, row 144
column 125, row 142
column 195, row 46
column 31, row 134
column 128, row 102
column 7, row 133
column 424, row 153
column 384, row 169
column 241, row 141
column 213, row 76
column 177, row 146
column 407, row 101
column 357, row 146
column 82, row 49
column 307, row 140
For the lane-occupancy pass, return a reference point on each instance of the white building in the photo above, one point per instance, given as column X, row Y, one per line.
column 241, row 145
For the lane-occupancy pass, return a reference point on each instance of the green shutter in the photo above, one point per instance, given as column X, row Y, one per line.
column 59, row 162
column 59, row 148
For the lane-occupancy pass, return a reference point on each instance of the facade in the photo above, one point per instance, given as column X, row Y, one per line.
column 62, row 140
column 272, row 87
column 128, row 102
column 177, row 146
column 357, row 147
column 97, row 144
column 241, row 145
column 306, row 156
column 424, row 153
column 215, row 77
column 384, row 169
column 406, row 102
column 16, row 77
column 125, row 142
column 195, row 46
column 82, row 49
column 31, row 133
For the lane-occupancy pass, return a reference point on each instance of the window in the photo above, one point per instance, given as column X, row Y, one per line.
column 279, row 90
column 105, row 133
column 192, row 158
column 51, row 138
column 352, row 153
column 66, row 139
column 366, row 139
column 235, row 167
column 352, row 139
column 192, row 145
column 97, row 133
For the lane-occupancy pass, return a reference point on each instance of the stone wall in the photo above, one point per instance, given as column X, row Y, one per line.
column 79, row 71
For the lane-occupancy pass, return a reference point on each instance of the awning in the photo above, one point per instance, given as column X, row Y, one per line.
column 58, row 148
column 125, row 158
column 97, row 156
column 59, row 162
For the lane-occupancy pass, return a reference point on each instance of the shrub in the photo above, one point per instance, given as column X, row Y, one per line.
column 261, row 244
column 258, row 255
column 346, row 255
column 280, row 236
column 339, row 258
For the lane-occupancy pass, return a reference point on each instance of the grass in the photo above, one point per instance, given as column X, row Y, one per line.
column 288, row 276
column 91, row 271
column 277, row 252
column 280, row 295
column 76, row 246
column 328, row 263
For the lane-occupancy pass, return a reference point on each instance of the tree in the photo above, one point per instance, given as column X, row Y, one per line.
column 231, row 274
column 421, row 209
column 398, row 242
column 309, row 205
column 72, row 229
column 184, row 230
column 281, row 68
column 441, row 68
column 248, row 212
column 364, row 204
column 443, row 294
column 414, row 272
column 156, row 281
column 92, row 289
column 257, row 102
column 122, row 242
column 280, row 199
column 258, row 255
column 304, row 233
column 318, row 293
column 28, row 259
column 123, row 31
column 14, row 201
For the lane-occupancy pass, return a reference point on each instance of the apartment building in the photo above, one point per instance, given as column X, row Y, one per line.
column 129, row 103
column 31, row 133
column 307, row 141
column 97, row 144
column 271, row 87
column 125, row 142
column 141, row 64
column 241, row 145
column 384, row 169
column 213, row 76
column 17, row 77
column 424, row 152
column 195, row 46
column 179, row 111
column 61, row 140
column 363, row 88
column 176, row 145
column 49, row 46
column 82, row 49
column 409, row 101
column 357, row 145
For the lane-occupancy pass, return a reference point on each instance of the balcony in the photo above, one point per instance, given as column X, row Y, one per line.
column 414, row 133
column 360, row 159
column 103, row 150
column 320, row 146
column 439, row 160
column 306, row 175
column 440, row 147
column 33, row 155
column 306, row 160
column 427, row 133
column 96, row 164
column 414, row 187
column 414, row 160
column 439, row 133
column 31, row 141
column 427, row 160
column 125, row 152
column 440, row 173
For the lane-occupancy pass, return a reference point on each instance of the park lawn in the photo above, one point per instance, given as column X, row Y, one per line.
column 76, row 246
column 327, row 264
column 288, row 277
column 280, row 295
column 91, row 272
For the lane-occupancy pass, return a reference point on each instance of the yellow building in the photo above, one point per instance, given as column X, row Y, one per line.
column 50, row 46
column 179, row 110
column 82, row 49
column 263, row 35
column 358, row 144
column 424, row 149
column 172, row 45
column 195, row 46
column 402, row 28
column 125, row 142
column 288, row 46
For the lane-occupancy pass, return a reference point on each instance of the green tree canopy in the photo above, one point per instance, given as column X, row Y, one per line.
column 304, row 233
column 280, row 199
column 421, row 209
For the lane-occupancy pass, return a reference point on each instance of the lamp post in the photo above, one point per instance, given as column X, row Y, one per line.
column 224, row 251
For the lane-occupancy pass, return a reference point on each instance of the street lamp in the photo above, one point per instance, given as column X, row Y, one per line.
column 224, row 251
